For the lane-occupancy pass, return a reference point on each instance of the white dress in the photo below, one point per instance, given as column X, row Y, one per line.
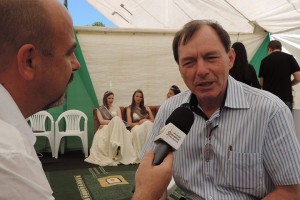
column 140, row 134
column 112, row 144
column 114, row 111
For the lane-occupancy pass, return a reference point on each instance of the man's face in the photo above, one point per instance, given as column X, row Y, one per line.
column 204, row 65
column 57, row 69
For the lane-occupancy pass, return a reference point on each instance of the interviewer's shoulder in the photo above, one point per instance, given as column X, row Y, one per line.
column 11, row 137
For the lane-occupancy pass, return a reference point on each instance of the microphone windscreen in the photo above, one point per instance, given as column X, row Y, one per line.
column 182, row 118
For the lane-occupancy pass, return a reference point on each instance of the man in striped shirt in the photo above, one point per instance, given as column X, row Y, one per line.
column 242, row 144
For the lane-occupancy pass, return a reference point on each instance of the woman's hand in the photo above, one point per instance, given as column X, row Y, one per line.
column 142, row 121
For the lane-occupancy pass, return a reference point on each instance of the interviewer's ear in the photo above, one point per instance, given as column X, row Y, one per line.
column 25, row 58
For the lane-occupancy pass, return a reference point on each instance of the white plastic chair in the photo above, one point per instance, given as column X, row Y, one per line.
column 38, row 123
column 72, row 119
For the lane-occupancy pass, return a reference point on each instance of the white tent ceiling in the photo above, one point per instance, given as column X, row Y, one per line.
column 281, row 18
column 235, row 16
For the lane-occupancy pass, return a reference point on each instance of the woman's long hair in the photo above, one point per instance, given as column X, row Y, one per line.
column 238, row 71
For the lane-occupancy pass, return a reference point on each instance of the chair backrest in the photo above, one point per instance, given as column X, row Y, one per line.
column 38, row 121
column 72, row 119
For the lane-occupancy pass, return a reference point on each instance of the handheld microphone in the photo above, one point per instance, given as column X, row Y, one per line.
column 172, row 135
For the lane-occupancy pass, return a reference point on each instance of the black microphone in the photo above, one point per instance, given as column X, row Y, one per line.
column 183, row 119
column 170, row 139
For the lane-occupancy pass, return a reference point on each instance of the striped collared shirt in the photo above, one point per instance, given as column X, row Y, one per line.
column 255, row 146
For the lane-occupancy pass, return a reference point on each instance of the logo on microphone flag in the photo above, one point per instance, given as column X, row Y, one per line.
column 171, row 135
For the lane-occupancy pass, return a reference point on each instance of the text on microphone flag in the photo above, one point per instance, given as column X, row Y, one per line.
column 171, row 135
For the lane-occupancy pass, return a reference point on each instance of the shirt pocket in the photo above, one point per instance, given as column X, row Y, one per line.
column 244, row 172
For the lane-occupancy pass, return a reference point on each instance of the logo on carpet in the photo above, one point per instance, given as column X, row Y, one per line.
column 112, row 180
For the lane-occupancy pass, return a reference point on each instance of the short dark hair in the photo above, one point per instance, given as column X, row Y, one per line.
column 274, row 44
column 25, row 22
column 189, row 29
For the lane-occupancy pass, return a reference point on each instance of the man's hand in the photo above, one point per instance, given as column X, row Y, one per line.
column 152, row 181
column 290, row 192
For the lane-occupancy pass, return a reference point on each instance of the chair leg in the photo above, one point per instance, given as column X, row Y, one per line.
column 56, row 146
column 51, row 143
column 52, row 148
column 62, row 145
column 84, row 145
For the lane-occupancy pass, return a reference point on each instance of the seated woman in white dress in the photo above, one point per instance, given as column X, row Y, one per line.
column 141, row 119
column 112, row 143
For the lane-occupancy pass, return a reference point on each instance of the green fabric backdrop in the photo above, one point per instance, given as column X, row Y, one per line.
column 260, row 54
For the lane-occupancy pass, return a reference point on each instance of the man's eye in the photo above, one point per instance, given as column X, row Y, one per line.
column 211, row 58
column 71, row 53
column 187, row 63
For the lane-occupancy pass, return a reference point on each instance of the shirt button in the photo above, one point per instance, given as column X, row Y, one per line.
column 210, row 197
column 207, row 175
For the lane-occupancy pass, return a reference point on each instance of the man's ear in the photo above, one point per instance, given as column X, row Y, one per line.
column 270, row 50
column 25, row 57
column 231, row 56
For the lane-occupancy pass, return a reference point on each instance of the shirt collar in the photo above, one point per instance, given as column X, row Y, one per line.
column 234, row 98
column 10, row 113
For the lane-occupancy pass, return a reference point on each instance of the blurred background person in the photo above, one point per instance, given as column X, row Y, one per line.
column 275, row 73
column 141, row 119
column 242, row 70
column 174, row 89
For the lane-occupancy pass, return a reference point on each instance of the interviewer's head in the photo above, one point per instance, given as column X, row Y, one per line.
column 36, row 52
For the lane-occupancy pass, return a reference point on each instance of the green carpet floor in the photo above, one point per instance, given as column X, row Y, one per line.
column 96, row 183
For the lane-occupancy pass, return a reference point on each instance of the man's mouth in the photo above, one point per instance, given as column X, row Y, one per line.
column 71, row 78
column 205, row 84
